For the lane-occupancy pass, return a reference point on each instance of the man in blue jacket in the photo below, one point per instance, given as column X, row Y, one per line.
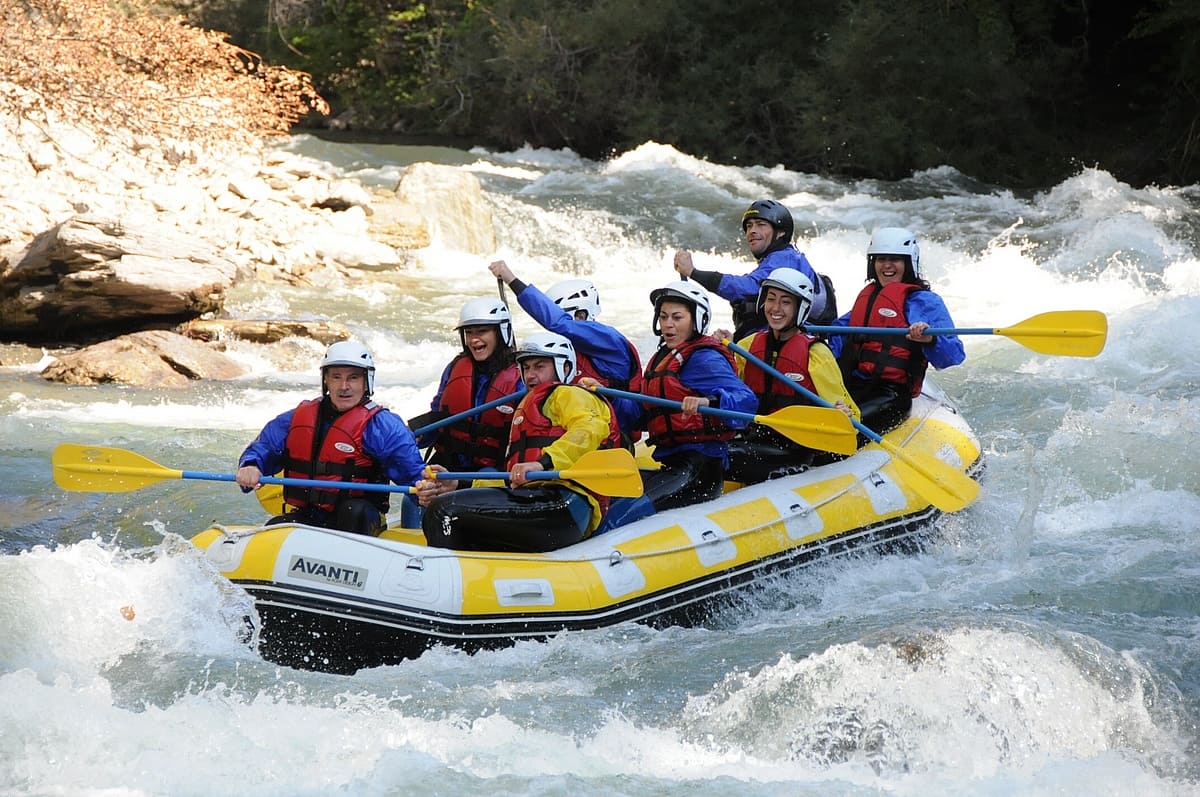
column 343, row 436
column 768, row 227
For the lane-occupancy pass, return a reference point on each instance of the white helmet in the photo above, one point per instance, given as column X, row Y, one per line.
column 789, row 280
column 688, row 292
column 349, row 352
column 895, row 241
column 482, row 312
column 572, row 295
column 550, row 344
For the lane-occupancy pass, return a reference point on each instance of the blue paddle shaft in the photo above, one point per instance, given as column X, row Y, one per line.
column 468, row 413
column 496, row 474
column 287, row 482
column 900, row 330
column 664, row 402
column 780, row 375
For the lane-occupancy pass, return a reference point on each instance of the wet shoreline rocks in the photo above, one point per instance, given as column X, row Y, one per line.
column 103, row 237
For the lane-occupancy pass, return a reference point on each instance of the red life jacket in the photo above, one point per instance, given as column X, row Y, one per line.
column 338, row 456
column 792, row 359
column 632, row 382
column 532, row 431
column 885, row 358
column 667, row 426
column 481, row 437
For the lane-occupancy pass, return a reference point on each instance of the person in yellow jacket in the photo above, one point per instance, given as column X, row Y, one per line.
column 758, row 452
column 554, row 425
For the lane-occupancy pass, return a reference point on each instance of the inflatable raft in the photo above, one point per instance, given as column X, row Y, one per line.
column 338, row 602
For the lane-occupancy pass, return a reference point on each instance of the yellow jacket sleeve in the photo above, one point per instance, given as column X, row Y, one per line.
column 586, row 420
column 585, row 417
column 822, row 367
column 827, row 377
column 738, row 360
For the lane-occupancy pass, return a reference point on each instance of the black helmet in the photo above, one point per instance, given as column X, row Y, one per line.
column 772, row 212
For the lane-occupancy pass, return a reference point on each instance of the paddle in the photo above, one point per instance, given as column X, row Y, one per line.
column 942, row 485
column 500, row 289
column 115, row 470
column 1073, row 333
column 99, row 469
column 609, row 472
column 815, row 427
column 468, row 413
column 270, row 495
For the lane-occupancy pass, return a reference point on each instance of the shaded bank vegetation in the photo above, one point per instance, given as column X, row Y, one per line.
column 1008, row 91
column 121, row 71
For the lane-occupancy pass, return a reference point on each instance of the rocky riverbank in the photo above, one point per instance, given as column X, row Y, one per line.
column 106, row 236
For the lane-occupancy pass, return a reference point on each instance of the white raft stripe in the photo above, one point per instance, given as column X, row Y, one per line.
column 686, row 594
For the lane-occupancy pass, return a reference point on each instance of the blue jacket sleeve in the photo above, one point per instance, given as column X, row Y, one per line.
column 605, row 346
column 945, row 350
column 837, row 341
column 709, row 373
column 266, row 451
column 390, row 441
column 734, row 287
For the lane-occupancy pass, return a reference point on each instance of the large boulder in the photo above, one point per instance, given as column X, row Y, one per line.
column 154, row 358
column 91, row 277
column 456, row 213
column 397, row 223
column 264, row 331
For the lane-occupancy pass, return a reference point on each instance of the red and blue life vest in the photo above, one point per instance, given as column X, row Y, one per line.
column 532, row 432
column 338, row 456
column 885, row 358
column 792, row 359
column 666, row 426
column 482, row 437
column 632, row 382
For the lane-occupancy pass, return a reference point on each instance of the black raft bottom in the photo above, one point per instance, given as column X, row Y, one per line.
column 314, row 630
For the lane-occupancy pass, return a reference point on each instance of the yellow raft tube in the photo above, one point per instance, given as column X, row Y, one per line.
column 338, row 602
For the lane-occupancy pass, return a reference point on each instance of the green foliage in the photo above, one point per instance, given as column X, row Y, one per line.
column 846, row 87
column 551, row 72
column 1007, row 91
column 1167, row 34
column 943, row 83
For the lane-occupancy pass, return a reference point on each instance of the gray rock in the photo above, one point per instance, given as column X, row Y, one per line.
column 456, row 213
column 90, row 275
column 154, row 358
column 264, row 331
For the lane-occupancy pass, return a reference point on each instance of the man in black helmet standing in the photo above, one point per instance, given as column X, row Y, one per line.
column 768, row 228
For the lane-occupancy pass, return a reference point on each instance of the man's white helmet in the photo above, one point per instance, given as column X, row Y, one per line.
column 689, row 292
column 895, row 241
column 572, row 295
column 550, row 344
column 352, row 353
column 790, row 281
column 480, row 312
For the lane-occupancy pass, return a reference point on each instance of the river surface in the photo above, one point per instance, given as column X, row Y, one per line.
column 1048, row 642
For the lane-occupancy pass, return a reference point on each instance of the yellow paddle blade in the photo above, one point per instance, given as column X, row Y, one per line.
column 105, row 470
column 941, row 484
column 1074, row 333
column 822, row 428
column 610, row 472
column 270, row 497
